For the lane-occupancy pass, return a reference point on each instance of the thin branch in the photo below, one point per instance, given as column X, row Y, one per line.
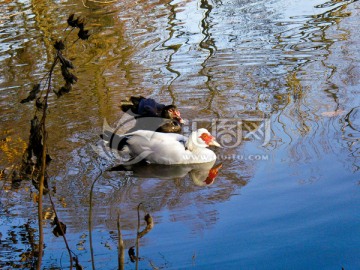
column 90, row 221
column 43, row 171
column 138, row 237
column 121, row 247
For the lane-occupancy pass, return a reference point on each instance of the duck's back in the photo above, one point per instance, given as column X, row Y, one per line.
column 165, row 148
column 149, row 107
column 156, row 147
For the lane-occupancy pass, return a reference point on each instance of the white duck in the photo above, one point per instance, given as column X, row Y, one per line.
column 166, row 148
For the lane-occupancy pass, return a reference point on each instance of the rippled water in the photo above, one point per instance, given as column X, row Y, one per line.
column 279, row 82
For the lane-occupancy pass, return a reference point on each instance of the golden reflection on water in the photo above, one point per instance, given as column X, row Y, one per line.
column 214, row 59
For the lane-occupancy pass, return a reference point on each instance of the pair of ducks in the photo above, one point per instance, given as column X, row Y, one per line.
column 155, row 138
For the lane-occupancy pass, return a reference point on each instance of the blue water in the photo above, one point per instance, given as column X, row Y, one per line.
column 287, row 195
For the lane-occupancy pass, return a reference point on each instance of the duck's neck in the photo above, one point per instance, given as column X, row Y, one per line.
column 191, row 143
column 199, row 155
column 198, row 152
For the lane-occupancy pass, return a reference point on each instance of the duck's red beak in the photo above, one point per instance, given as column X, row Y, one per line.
column 215, row 143
column 212, row 174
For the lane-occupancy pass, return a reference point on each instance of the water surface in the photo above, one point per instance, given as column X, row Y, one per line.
column 285, row 74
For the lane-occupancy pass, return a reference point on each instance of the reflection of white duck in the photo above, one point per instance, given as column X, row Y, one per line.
column 202, row 174
column 165, row 148
column 203, row 177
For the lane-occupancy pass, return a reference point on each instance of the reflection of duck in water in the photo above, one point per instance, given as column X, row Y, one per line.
column 202, row 177
column 164, row 148
column 201, row 174
column 151, row 115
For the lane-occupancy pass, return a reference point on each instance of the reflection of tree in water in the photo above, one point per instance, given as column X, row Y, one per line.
column 312, row 102
column 17, row 247
column 351, row 135
column 172, row 22
column 207, row 44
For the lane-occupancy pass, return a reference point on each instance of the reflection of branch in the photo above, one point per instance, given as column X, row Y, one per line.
column 60, row 226
column 207, row 43
column 174, row 48
column 348, row 120
column 90, row 221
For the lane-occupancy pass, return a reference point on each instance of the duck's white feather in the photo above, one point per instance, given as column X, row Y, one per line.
column 168, row 148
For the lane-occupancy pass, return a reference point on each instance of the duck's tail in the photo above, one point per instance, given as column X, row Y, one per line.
column 113, row 140
column 132, row 104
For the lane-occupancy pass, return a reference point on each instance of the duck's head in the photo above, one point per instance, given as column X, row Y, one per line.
column 201, row 138
column 172, row 112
